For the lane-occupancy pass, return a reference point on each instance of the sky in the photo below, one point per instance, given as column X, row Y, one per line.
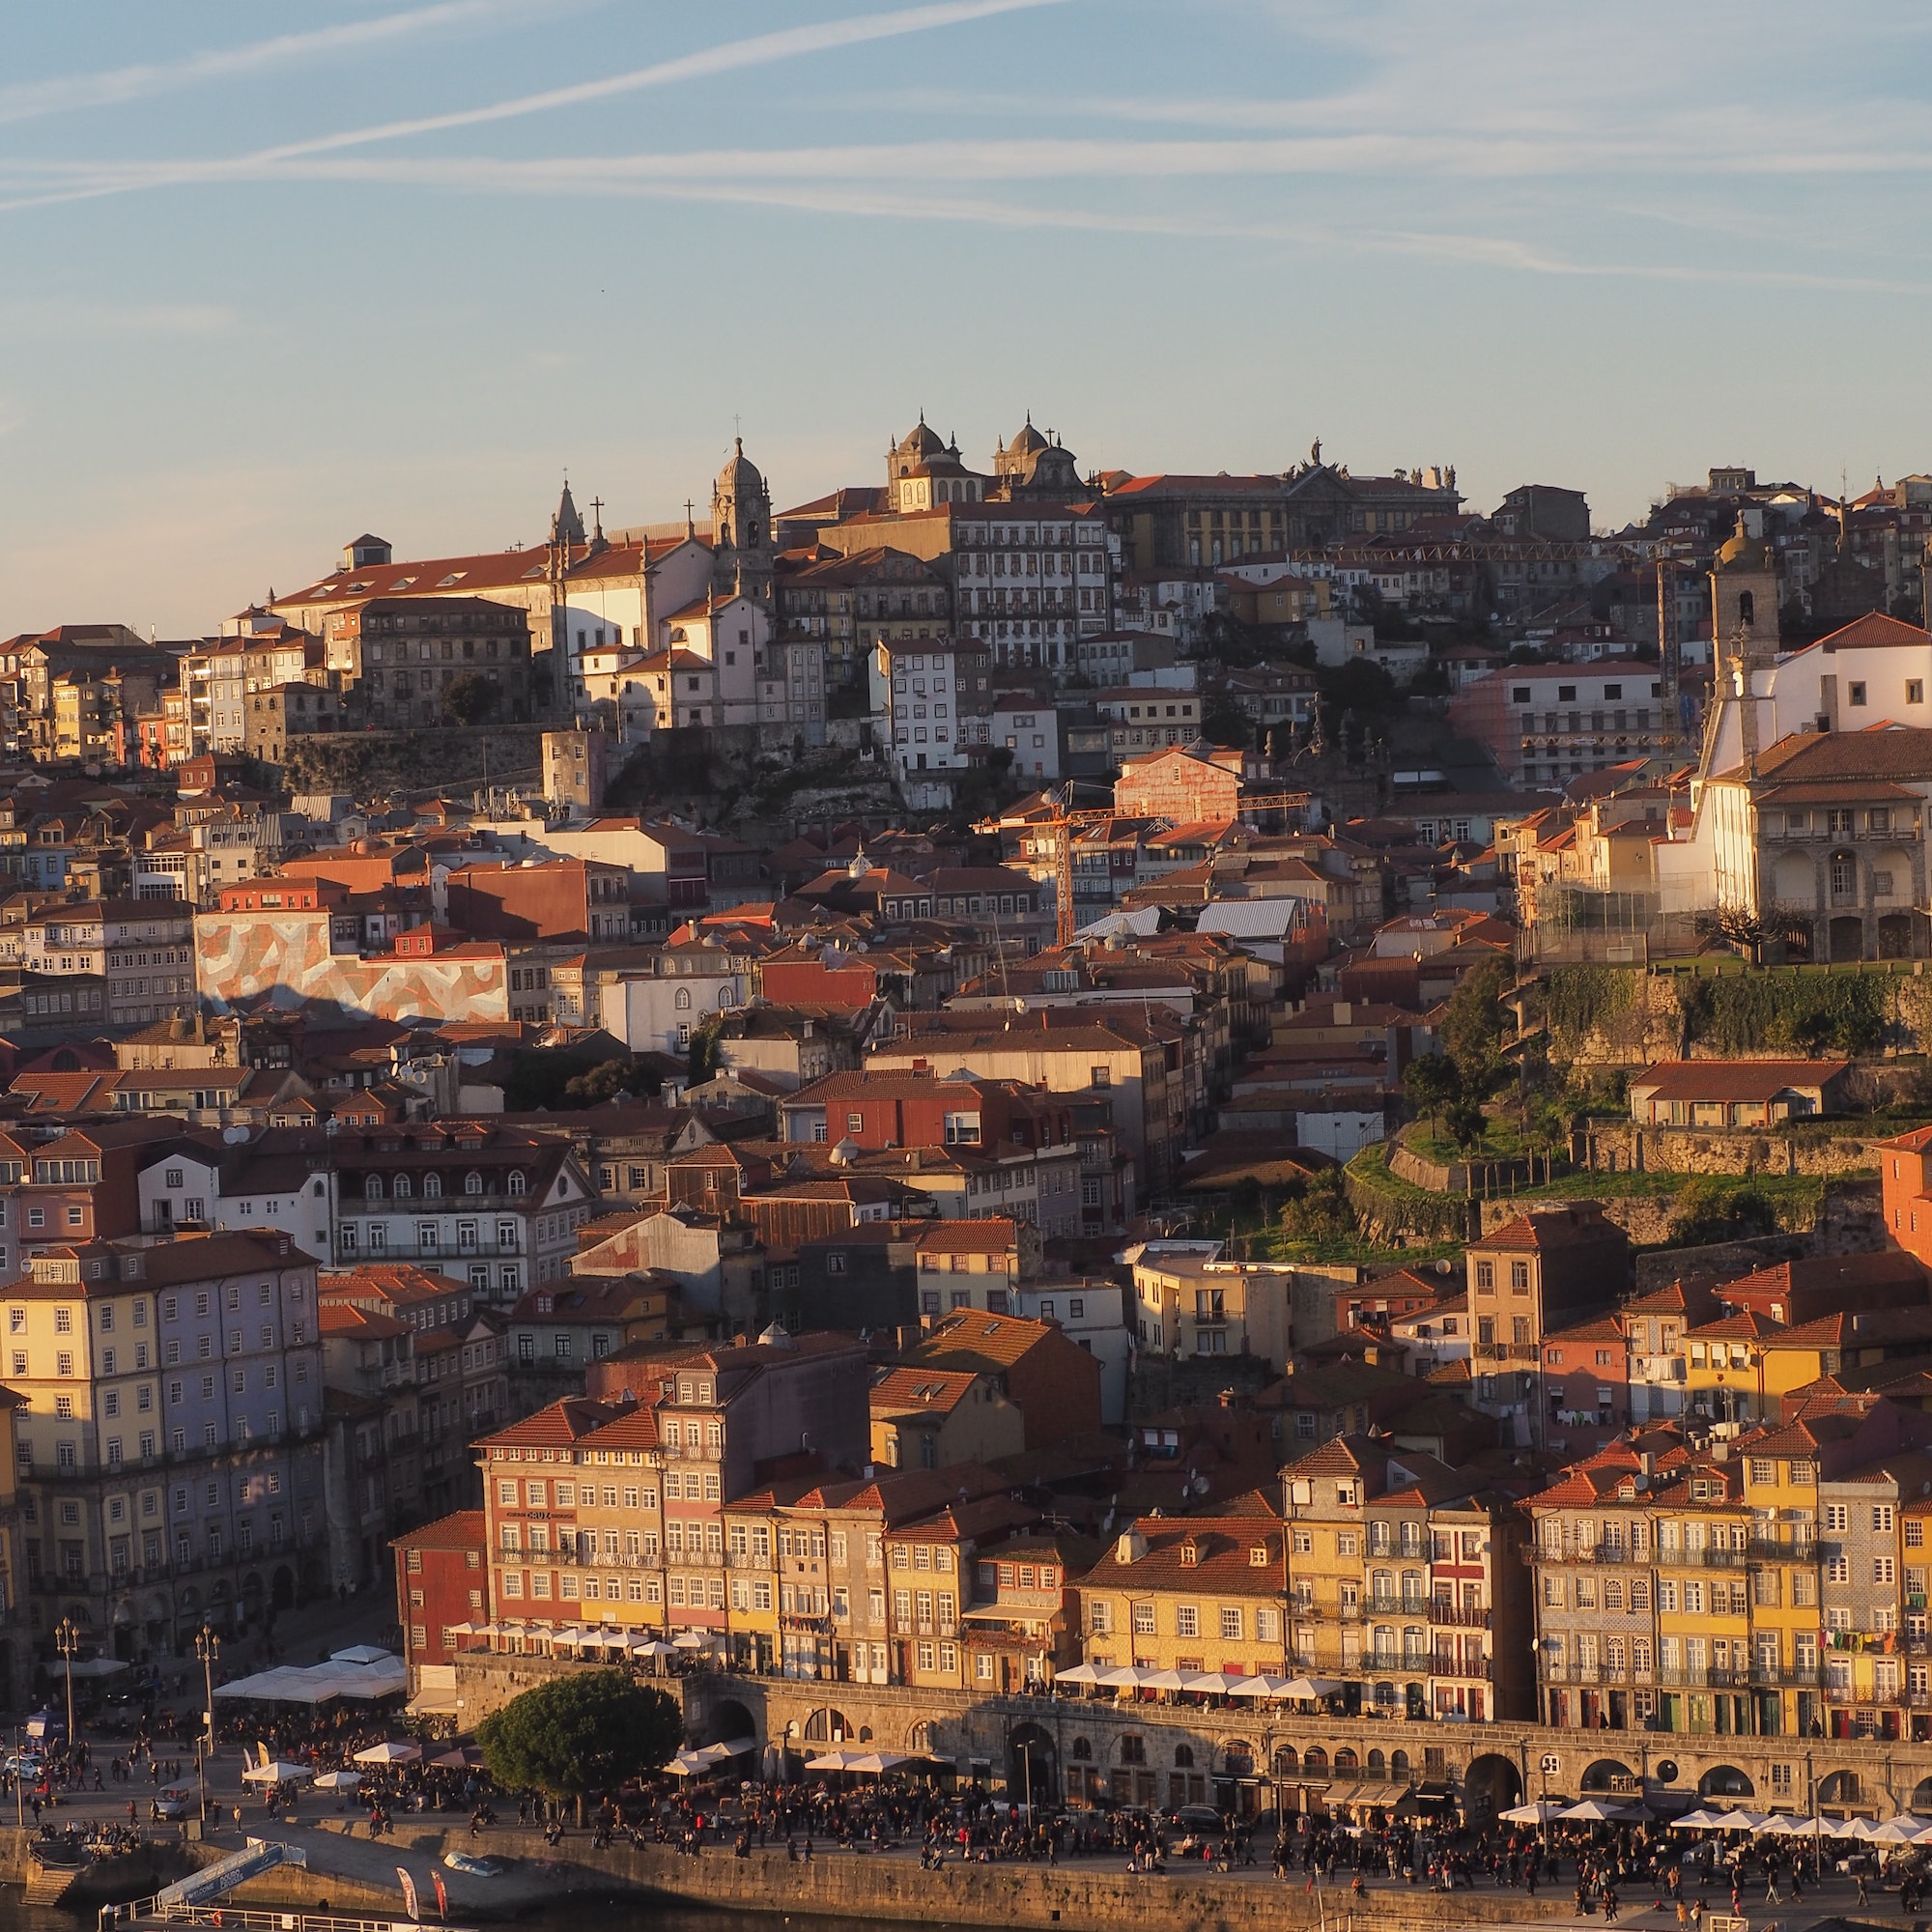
column 273, row 275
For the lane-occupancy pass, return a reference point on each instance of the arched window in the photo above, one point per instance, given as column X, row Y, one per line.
column 432, row 1188
column 1747, row 607
column 517, row 1182
column 1345, row 1759
column 472, row 1182
column 1133, row 1748
column 1083, row 1750
column 401, row 1190
column 372, row 1186
column 681, row 999
column 1184, row 1757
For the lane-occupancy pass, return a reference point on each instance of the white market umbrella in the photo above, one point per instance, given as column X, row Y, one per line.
column 653, row 1647
column 362, row 1653
column 835, row 1761
column 877, row 1761
column 278, row 1770
column 1164, row 1680
column 1740, row 1821
column 389, row 1752
column 1077, row 1673
column 1698, row 1821
column 688, row 1764
column 1923, row 1837
column 1123, row 1677
column 1783, row 1825
column 724, row 1753
column 1209, row 1683
column 1307, row 1687
column 1258, row 1687
column 1594, row 1811
column 340, row 1780
column 88, row 1666
column 1903, row 1829
column 1540, row 1812
column 689, row 1640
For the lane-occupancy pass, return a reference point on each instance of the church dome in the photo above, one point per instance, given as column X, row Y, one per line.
column 740, row 476
column 1744, row 551
column 1028, row 442
column 921, row 441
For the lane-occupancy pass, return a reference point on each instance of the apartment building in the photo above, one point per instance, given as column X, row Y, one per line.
column 1404, row 1582
column 1189, row 1303
column 460, row 1355
column 169, row 1451
column 1533, row 1275
column 131, row 960
column 1750, row 1585
column 497, row 1206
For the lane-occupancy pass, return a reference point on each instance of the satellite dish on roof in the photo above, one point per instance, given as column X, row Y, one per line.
column 845, row 1153
column 235, row 1136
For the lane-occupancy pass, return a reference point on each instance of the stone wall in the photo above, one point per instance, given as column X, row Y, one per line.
column 1646, row 1219
column 1462, row 1177
column 449, row 757
column 1619, row 1147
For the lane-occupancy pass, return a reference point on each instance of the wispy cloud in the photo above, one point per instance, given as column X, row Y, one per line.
column 728, row 57
column 50, row 317
column 115, row 87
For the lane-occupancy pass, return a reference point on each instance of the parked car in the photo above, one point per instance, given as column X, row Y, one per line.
column 177, row 1801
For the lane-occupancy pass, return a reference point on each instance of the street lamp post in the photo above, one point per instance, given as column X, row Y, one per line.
column 207, row 1647
column 67, row 1641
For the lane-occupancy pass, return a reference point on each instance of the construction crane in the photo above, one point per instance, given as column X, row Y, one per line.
column 1067, row 820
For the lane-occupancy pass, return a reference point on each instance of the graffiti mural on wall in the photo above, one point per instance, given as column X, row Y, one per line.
column 287, row 959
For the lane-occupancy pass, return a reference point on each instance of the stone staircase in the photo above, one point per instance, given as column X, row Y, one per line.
column 48, row 1884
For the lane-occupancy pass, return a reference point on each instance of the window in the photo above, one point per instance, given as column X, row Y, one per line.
column 1857, row 692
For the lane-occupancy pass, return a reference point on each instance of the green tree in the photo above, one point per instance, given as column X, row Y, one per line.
column 1432, row 1084
column 470, row 698
column 1223, row 722
column 701, row 1060
column 622, row 1074
column 589, row 1731
column 1472, row 1028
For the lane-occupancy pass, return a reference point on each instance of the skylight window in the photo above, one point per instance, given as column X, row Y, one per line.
column 454, row 577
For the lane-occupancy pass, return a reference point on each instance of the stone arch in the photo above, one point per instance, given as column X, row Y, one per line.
column 827, row 1726
column 1921, row 1796
column 1314, row 1761
column 1184, row 1757
column 1286, row 1763
column 1346, row 1760
column 1033, row 1764
column 1377, row 1765
column 1841, row 1790
column 1237, row 1756
column 1082, row 1751
column 1492, row 1783
column 1846, row 938
column 1600, row 1774
column 1399, row 1763
column 728, row 1722
column 923, row 1739
column 1725, row 1780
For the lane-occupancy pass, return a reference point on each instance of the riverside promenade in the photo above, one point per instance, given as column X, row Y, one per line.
column 354, row 1875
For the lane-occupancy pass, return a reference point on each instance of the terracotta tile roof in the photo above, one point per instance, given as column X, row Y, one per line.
column 1197, row 1552
column 970, row 1339
column 560, row 1426
column 968, row 1238
column 463, row 1530
column 1725, row 1080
